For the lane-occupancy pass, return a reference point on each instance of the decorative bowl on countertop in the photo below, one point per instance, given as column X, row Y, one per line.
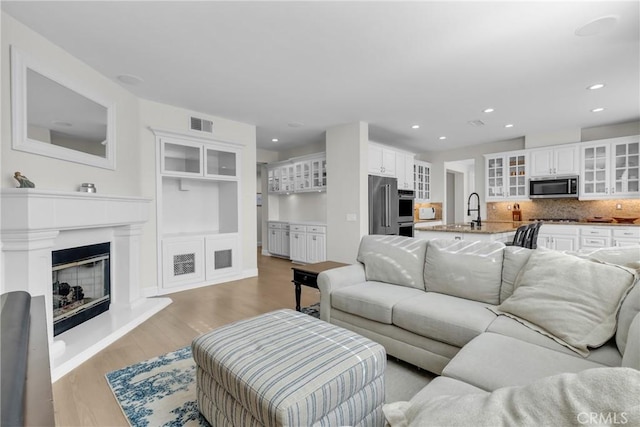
column 599, row 219
column 625, row 220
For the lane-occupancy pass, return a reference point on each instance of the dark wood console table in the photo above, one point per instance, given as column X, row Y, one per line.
column 308, row 275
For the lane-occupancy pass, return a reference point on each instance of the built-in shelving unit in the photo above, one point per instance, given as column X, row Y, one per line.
column 198, row 207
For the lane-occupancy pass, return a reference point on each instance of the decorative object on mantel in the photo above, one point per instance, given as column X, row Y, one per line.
column 23, row 181
column 87, row 187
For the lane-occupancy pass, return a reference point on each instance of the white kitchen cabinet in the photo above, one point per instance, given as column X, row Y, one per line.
column 507, row 176
column 278, row 243
column 404, row 170
column 625, row 236
column 595, row 237
column 553, row 161
column 422, row 180
column 610, row 169
column 300, row 174
column 382, row 160
column 307, row 243
column 559, row 237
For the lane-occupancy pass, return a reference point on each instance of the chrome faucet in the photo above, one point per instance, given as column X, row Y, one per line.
column 477, row 221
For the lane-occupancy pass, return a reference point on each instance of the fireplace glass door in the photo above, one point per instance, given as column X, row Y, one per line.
column 81, row 285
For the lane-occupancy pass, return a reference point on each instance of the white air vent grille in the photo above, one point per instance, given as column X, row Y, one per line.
column 476, row 123
column 201, row 125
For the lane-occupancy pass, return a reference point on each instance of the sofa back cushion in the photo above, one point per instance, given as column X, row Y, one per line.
column 515, row 258
column 466, row 269
column 393, row 259
column 573, row 300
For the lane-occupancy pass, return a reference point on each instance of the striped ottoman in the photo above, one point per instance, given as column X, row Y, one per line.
column 286, row 368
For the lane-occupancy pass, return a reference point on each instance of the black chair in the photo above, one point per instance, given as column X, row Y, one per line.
column 518, row 238
column 531, row 236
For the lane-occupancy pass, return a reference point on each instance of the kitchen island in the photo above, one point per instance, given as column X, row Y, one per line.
column 493, row 231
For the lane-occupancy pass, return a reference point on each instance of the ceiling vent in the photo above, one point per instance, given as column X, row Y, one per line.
column 201, row 125
column 476, row 123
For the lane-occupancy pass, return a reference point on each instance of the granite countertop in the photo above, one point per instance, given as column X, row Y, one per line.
column 492, row 227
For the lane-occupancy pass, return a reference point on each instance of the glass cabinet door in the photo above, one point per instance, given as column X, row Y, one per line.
column 495, row 177
column 626, row 163
column 220, row 162
column 181, row 159
column 319, row 173
column 595, row 179
column 517, row 181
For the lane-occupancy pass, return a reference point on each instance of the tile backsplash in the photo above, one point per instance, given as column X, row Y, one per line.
column 565, row 209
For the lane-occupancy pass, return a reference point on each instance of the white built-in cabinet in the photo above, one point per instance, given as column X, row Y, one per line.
column 559, row 237
column 308, row 243
column 554, row 161
column 572, row 237
column 404, row 170
column 302, row 174
column 610, row 169
column 422, row 180
column 279, row 241
column 507, row 176
column 198, row 205
column 382, row 160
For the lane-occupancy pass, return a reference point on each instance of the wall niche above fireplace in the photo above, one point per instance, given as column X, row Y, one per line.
column 81, row 285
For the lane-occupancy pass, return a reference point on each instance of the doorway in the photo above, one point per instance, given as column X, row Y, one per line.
column 459, row 183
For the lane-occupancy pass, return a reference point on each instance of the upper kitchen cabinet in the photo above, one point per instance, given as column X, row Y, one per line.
column 187, row 158
column 300, row 174
column 404, row 170
column 507, row 175
column 610, row 169
column 557, row 160
column 422, row 179
column 382, row 160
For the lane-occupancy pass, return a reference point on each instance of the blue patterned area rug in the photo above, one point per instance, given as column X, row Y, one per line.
column 159, row 391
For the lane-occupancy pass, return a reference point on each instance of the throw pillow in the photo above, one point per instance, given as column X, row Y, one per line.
column 465, row 269
column 608, row 394
column 393, row 259
column 572, row 300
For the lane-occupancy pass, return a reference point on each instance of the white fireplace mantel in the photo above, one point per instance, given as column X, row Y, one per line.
column 35, row 222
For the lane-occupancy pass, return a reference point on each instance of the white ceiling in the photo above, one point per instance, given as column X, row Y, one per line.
column 391, row 64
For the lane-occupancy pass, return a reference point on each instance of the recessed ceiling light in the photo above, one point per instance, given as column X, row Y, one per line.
column 508, row 125
column 415, row 127
column 597, row 110
column 596, row 86
column 130, row 79
column 443, row 137
column 488, row 110
column 597, row 26
column 274, row 139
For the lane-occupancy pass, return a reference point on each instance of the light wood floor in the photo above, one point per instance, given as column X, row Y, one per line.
column 83, row 397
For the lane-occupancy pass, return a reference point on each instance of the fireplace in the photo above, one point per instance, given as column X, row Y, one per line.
column 81, row 281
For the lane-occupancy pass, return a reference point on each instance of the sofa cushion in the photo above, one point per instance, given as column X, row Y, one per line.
column 466, row 269
column 572, row 300
column 393, row 259
column 560, row 400
column 628, row 311
column 607, row 354
column 515, row 258
column 491, row 361
column 452, row 320
column 371, row 300
column 631, row 357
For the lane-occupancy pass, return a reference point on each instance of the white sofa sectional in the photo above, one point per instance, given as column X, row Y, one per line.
column 471, row 311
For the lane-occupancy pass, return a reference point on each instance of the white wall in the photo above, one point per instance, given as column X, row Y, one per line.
column 347, row 190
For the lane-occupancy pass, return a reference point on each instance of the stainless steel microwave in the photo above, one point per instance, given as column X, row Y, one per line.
column 554, row 188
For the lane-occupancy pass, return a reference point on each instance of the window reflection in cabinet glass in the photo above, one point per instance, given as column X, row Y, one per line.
column 221, row 163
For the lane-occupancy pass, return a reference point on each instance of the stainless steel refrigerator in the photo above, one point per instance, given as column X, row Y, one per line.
column 383, row 205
